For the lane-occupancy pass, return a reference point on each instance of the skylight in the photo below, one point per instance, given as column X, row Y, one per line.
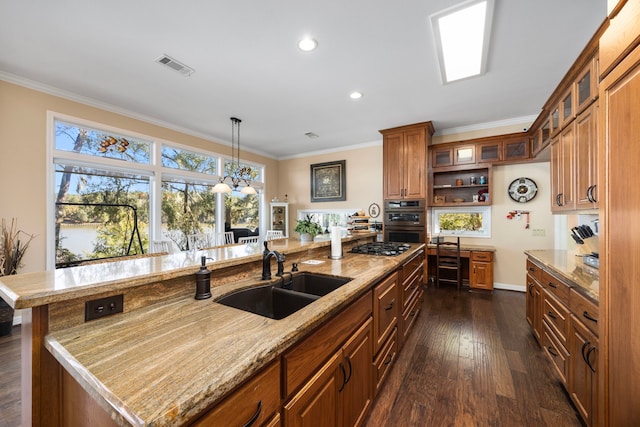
column 461, row 34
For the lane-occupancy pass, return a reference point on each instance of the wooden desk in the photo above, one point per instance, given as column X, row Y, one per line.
column 477, row 265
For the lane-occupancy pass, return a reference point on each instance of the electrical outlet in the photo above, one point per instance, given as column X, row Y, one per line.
column 540, row 232
column 102, row 307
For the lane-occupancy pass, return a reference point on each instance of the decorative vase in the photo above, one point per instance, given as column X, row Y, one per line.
column 306, row 237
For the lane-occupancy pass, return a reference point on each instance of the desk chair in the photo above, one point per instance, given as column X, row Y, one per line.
column 448, row 261
column 250, row 239
column 274, row 234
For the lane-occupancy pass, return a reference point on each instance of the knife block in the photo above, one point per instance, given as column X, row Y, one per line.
column 590, row 245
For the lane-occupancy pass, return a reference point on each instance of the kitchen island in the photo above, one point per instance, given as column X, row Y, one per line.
column 168, row 357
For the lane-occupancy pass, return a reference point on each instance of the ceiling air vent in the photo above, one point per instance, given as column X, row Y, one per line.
column 175, row 65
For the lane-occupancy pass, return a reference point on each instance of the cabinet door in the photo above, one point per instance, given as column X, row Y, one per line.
column 516, row 149
column 415, row 164
column 385, row 309
column 583, row 382
column 619, row 290
column 489, row 152
column 587, row 158
column 357, row 393
column 441, row 157
column 562, row 171
column 393, row 166
column 481, row 275
column 464, row 155
column 534, row 307
column 317, row 403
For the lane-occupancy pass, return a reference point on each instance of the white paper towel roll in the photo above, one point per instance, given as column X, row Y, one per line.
column 336, row 242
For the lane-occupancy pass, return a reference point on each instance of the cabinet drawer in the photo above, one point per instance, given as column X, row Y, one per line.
column 534, row 270
column 385, row 359
column 385, row 310
column 410, row 287
column 306, row 357
column 557, row 316
column 410, row 314
column 585, row 310
column 482, row 256
column 413, row 265
column 556, row 352
column 259, row 398
column 556, row 286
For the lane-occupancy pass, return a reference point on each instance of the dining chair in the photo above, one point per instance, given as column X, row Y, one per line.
column 198, row 241
column 250, row 239
column 274, row 234
column 227, row 238
column 161, row 246
column 448, row 262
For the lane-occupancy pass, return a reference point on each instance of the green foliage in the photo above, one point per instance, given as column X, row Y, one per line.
column 308, row 225
column 468, row 221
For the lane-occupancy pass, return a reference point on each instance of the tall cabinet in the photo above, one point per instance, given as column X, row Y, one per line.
column 618, row 153
column 404, row 166
column 280, row 217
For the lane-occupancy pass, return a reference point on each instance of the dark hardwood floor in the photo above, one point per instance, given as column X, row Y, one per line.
column 471, row 360
column 10, row 379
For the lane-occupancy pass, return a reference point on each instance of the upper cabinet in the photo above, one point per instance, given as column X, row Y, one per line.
column 404, row 165
column 509, row 148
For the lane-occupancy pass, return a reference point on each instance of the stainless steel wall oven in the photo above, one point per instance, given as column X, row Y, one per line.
column 404, row 221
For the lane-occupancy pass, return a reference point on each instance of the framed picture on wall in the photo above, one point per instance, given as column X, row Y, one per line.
column 328, row 182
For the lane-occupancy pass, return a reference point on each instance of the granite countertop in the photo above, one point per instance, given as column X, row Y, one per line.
column 163, row 364
column 568, row 266
column 35, row 289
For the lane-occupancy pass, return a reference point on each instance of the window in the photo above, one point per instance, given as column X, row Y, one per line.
column 114, row 192
column 474, row 221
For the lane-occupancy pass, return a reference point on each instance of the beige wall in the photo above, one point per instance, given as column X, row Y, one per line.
column 363, row 176
column 23, row 156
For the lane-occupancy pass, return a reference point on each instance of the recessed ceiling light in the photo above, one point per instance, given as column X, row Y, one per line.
column 307, row 44
column 355, row 95
column 461, row 34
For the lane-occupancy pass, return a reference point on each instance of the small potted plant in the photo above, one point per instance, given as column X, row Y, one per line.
column 307, row 228
column 12, row 249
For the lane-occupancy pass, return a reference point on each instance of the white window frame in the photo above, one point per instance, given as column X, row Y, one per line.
column 485, row 232
column 153, row 169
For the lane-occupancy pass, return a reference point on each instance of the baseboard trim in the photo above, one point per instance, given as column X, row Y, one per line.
column 510, row 287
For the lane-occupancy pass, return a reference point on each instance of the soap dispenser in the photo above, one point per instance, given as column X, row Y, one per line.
column 203, row 280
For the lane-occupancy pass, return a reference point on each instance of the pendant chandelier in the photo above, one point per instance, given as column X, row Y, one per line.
column 237, row 174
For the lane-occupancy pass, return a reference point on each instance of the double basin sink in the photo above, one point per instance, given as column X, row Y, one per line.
column 285, row 297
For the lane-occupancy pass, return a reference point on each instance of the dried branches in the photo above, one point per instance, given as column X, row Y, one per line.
column 12, row 249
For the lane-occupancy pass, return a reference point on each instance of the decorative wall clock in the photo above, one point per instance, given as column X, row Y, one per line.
column 522, row 190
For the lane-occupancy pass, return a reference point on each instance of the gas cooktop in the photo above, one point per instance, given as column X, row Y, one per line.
column 381, row 248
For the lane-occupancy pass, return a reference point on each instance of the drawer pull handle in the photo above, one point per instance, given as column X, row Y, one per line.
column 587, row 316
column 532, row 269
column 530, row 289
column 350, row 368
column 388, row 359
column 344, row 377
column 552, row 285
column 551, row 314
column 255, row 416
column 552, row 351
column 390, row 306
column 592, row 349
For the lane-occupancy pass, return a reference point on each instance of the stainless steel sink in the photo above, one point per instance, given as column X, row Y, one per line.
column 276, row 302
column 269, row 301
column 314, row 283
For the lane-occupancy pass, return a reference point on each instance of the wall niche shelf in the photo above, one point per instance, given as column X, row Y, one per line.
column 457, row 187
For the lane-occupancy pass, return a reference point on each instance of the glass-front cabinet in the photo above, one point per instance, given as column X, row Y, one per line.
column 280, row 217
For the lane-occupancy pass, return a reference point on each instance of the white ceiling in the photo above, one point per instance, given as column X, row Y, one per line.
column 248, row 65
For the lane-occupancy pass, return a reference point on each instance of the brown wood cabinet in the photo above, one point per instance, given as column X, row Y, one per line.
column 252, row 404
column 586, row 162
column 562, row 171
column 583, row 373
column 385, row 310
column 404, row 166
column 481, row 270
column 456, row 187
column 340, row 392
column 619, row 152
column 411, row 292
column 565, row 323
